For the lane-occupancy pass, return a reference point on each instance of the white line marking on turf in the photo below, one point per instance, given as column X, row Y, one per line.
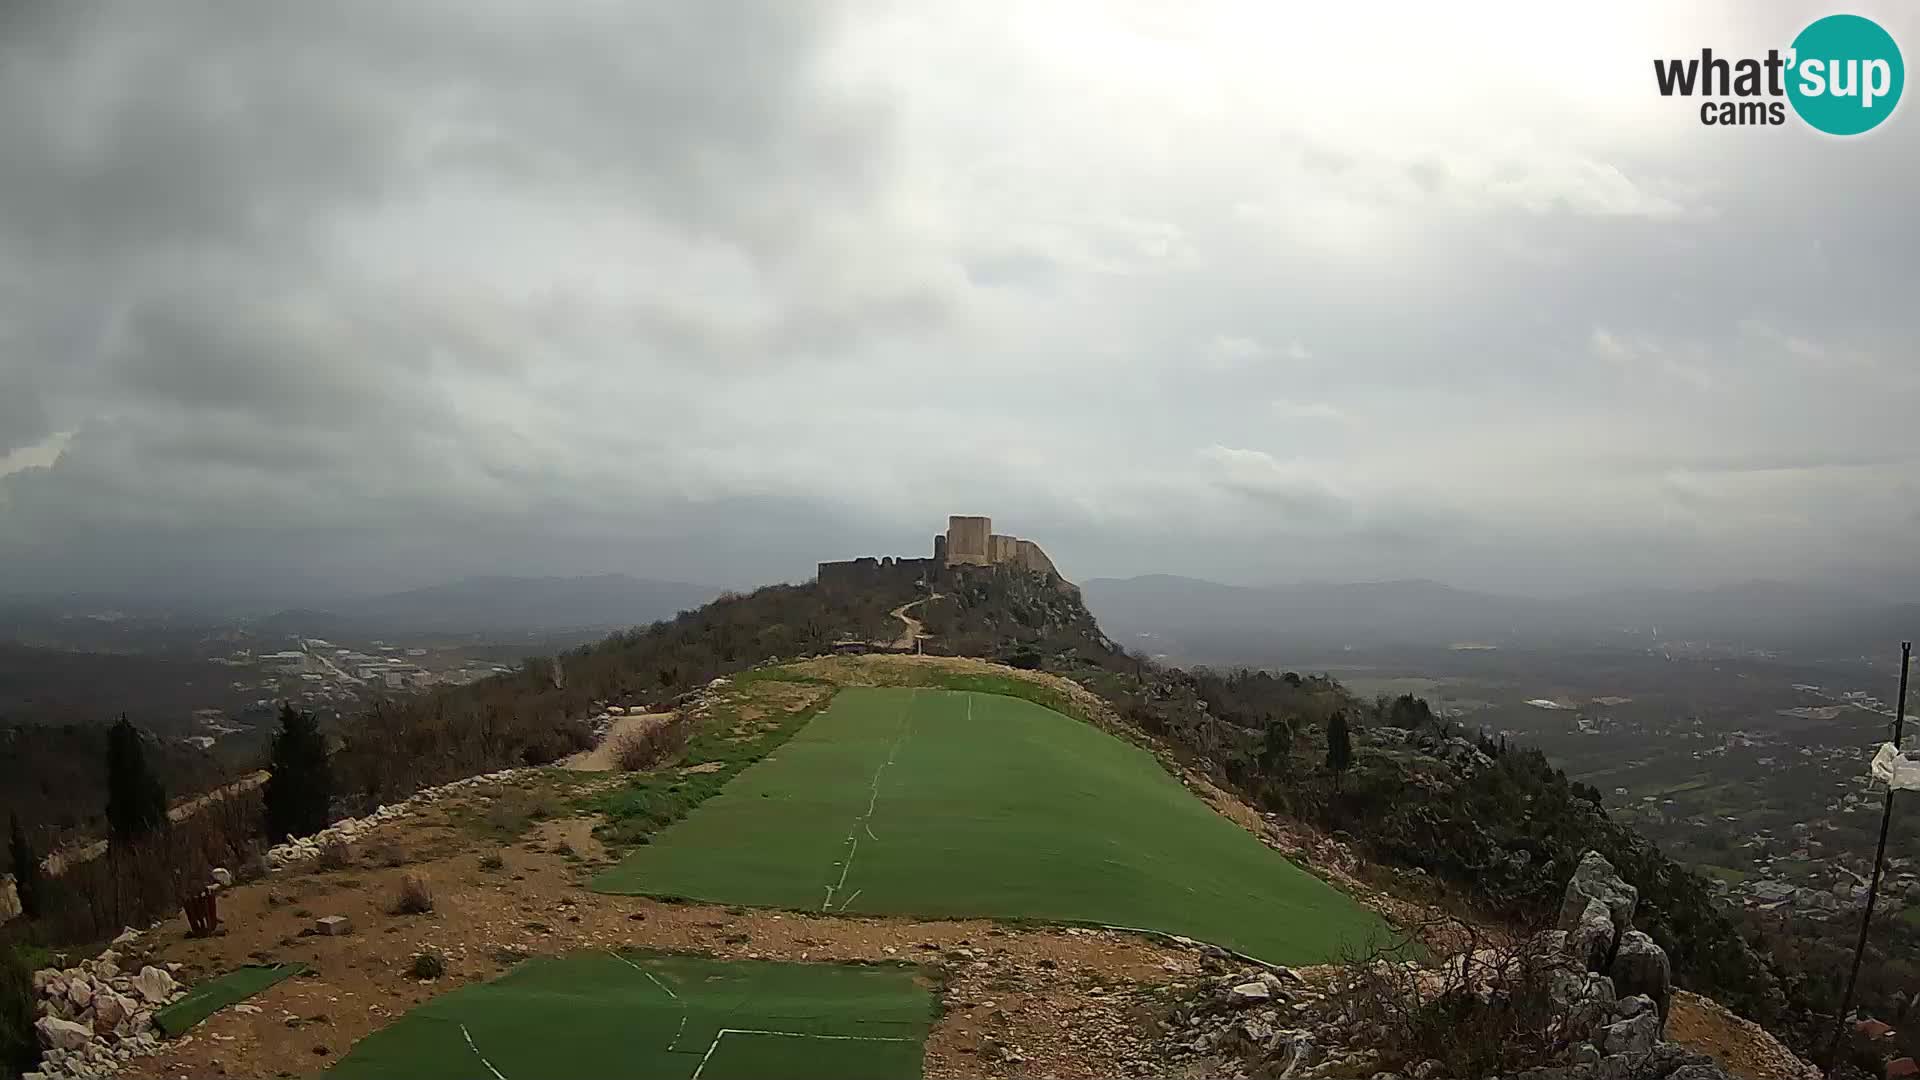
column 873, row 798
column 724, row 1032
column 481, row 1056
column 655, row 980
column 848, row 902
column 644, row 971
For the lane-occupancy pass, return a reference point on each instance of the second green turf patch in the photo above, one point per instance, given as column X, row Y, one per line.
column 953, row 804
column 606, row 1014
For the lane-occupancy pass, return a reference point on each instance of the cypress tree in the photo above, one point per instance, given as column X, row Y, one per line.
column 299, row 793
column 26, row 868
column 1339, row 747
column 136, row 803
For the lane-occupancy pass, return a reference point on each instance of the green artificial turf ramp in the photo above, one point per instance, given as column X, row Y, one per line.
column 215, row 994
column 624, row 1015
column 949, row 804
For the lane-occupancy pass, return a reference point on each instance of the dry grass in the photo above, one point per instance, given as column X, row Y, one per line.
column 335, row 854
column 415, row 897
column 648, row 748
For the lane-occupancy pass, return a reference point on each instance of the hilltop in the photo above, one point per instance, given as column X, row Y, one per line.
column 1425, row 820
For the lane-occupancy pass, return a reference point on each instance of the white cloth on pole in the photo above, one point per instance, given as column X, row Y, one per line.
column 1896, row 770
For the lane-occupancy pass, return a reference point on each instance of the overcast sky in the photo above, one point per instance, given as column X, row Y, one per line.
column 306, row 298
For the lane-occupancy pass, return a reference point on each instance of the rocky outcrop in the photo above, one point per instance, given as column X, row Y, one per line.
column 1641, row 967
column 1594, row 880
column 1609, row 988
column 94, row 1017
column 1596, row 915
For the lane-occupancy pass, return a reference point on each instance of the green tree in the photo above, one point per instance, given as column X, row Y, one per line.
column 136, row 803
column 299, row 792
column 1339, row 747
column 1278, row 746
column 26, row 868
column 19, row 1046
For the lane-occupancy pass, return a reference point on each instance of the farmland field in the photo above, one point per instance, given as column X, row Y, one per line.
column 605, row 1014
column 951, row 804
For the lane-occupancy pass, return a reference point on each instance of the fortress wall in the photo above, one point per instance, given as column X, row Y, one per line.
column 1029, row 555
column 968, row 540
column 862, row 573
column 1002, row 549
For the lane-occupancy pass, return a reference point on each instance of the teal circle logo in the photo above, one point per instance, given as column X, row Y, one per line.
column 1846, row 75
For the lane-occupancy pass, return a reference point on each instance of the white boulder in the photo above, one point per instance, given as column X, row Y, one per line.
column 153, row 985
column 58, row 1034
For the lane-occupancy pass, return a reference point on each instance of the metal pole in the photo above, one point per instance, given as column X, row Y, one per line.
column 1879, row 857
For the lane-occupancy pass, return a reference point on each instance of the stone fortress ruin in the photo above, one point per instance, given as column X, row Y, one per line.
column 968, row 542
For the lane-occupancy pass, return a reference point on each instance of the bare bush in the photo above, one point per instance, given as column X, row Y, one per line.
column 1495, row 1008
column 415, row 897
column 335, row 854
column 638, row 751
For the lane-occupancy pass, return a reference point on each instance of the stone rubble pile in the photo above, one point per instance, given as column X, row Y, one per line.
column 1264, row 1021
column 351, row 829
column 94, row 1018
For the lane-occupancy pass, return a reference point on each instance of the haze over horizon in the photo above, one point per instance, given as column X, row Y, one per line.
column 308, row 301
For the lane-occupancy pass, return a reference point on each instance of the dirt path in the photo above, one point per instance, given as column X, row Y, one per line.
column 913, row 629
column 600, row 758
column 1016, row 1001
column 58, row 862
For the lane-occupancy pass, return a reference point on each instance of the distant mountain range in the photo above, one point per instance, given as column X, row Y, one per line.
column 516, row 606
column 1204, row 619
column 493, row 604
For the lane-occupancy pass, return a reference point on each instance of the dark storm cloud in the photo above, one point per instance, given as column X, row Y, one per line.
column 361, row 295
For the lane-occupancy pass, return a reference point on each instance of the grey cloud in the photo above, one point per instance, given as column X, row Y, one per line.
column 363, row 294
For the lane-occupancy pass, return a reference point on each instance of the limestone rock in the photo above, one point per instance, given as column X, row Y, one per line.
column 1590, row 938
column 1634, row 1036
column 222, row 876
column 58, row 1034
column 333, row 925
column 153, row 985
column 110, row 1011
column 1596, row 879
column 1249, row 993
column 1641, row 967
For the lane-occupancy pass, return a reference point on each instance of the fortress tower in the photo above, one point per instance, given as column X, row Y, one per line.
column 969, row 541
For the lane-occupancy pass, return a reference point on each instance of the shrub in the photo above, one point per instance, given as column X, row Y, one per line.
column 415, row 897
column 335, row 854
column 638, row 751
column 19, row 1047
column 428, row 964
column 26, row 868
column 492, row 861
column 1487, row 1011
column 391, row 855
